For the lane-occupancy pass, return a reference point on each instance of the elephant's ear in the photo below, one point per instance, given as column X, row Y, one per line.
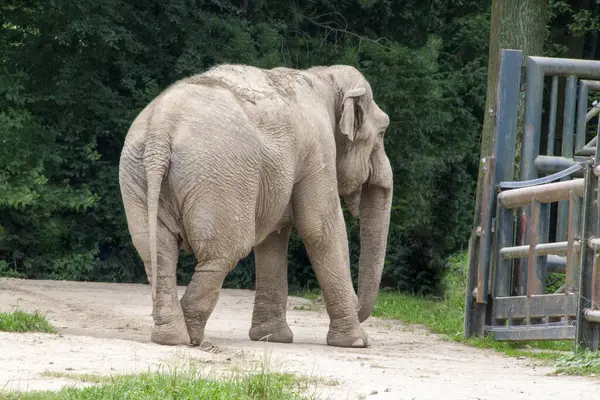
column 349, row 120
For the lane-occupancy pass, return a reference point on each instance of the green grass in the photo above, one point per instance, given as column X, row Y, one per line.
column 87, row 378
column 583, row 363
column 187, row 382
column 21, row 321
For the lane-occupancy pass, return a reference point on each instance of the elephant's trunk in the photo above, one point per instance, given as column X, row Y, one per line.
column 375, row 208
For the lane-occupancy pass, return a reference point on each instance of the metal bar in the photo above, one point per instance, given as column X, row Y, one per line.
column 530, row 147
column 587, row 69
column 555, row 264
column 556, row 164
column 552, row 164
column 569, row 117
column 471, row 323
column 581, row 115
column 532, row 119
column 542, row 249
column 592, row 143
column 592, row 316
column 548, row 193
column 520, row 271
column 534, row 276
column 573, row 270
column 594, row 244
column 597, row 153
column 536, row 306
column 586, row 151
column 543, row 228
column 541, row 181
column 552, row 117
column 526, row 333
column 505, row 225
column 587, row 334
column 595, row 283
column 485, row 241
column 567, row 150
column 507, row 112
column 592, row 113
column 593, row 83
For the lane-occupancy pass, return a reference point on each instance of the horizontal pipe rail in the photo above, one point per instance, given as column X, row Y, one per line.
column 587, row 69
column 592, row 113
column 548, row 193
column 591, row 315
column 594, row 244
column 557, row 164
column 553, row 163
column 586, row 151
column 543, row 180
column 542, row 249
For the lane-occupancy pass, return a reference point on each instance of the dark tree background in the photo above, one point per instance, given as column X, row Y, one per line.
column 74, row 74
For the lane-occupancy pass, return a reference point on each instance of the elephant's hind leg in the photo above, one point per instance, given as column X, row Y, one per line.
column 270, row 303
column 202, row 294
column 169, row 325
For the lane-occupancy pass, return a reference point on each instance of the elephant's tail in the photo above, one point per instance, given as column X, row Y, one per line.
column 157, row 156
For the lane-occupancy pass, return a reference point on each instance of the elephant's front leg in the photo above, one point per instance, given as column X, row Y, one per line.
column 320, row 222
column 270, row 302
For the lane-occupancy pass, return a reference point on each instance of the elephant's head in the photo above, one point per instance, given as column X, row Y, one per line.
column 364, row 174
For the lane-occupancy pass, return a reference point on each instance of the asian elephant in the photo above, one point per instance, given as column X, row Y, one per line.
column 228, row 160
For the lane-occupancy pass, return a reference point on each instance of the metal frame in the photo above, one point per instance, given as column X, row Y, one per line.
column 509, row 252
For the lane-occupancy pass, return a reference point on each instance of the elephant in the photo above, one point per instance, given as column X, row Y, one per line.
column 230, row 160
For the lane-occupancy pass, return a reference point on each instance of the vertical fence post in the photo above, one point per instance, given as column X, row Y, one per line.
column 588, row 332
column 535, row 271
column 530, row 148
column 507, row 105
column 505, row 225
column 573, row 268
column 485, row 240
column 552, row 117
column 568, row 140
column 582, row 103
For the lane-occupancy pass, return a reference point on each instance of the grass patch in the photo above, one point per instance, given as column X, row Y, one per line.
column 186, row 381
column 88, row 378
column 583, row 363
column 21, row 321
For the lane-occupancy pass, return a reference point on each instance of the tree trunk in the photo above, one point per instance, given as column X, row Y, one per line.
column 520, row 25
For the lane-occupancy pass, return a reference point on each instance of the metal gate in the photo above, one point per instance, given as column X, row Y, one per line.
column 510, row 252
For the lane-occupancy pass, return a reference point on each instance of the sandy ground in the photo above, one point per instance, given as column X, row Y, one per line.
column 104, row 328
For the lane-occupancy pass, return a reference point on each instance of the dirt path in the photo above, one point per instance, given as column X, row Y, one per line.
column 105, row 328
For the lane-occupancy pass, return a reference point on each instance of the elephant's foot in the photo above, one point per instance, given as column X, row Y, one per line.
column 171, row 334
column 279, row 333
column 195, row 331
column 353, row 337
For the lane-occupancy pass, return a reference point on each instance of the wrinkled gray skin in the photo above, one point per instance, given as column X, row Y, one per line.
column 229, row 160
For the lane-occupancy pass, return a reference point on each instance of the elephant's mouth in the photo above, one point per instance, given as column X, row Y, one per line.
column 352, row 201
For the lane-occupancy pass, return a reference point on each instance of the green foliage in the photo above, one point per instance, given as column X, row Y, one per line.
column 21, row 321
column 74, row 74
column 582, row 363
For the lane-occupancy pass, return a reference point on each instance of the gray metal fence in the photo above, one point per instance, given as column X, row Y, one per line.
column 510, row 252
